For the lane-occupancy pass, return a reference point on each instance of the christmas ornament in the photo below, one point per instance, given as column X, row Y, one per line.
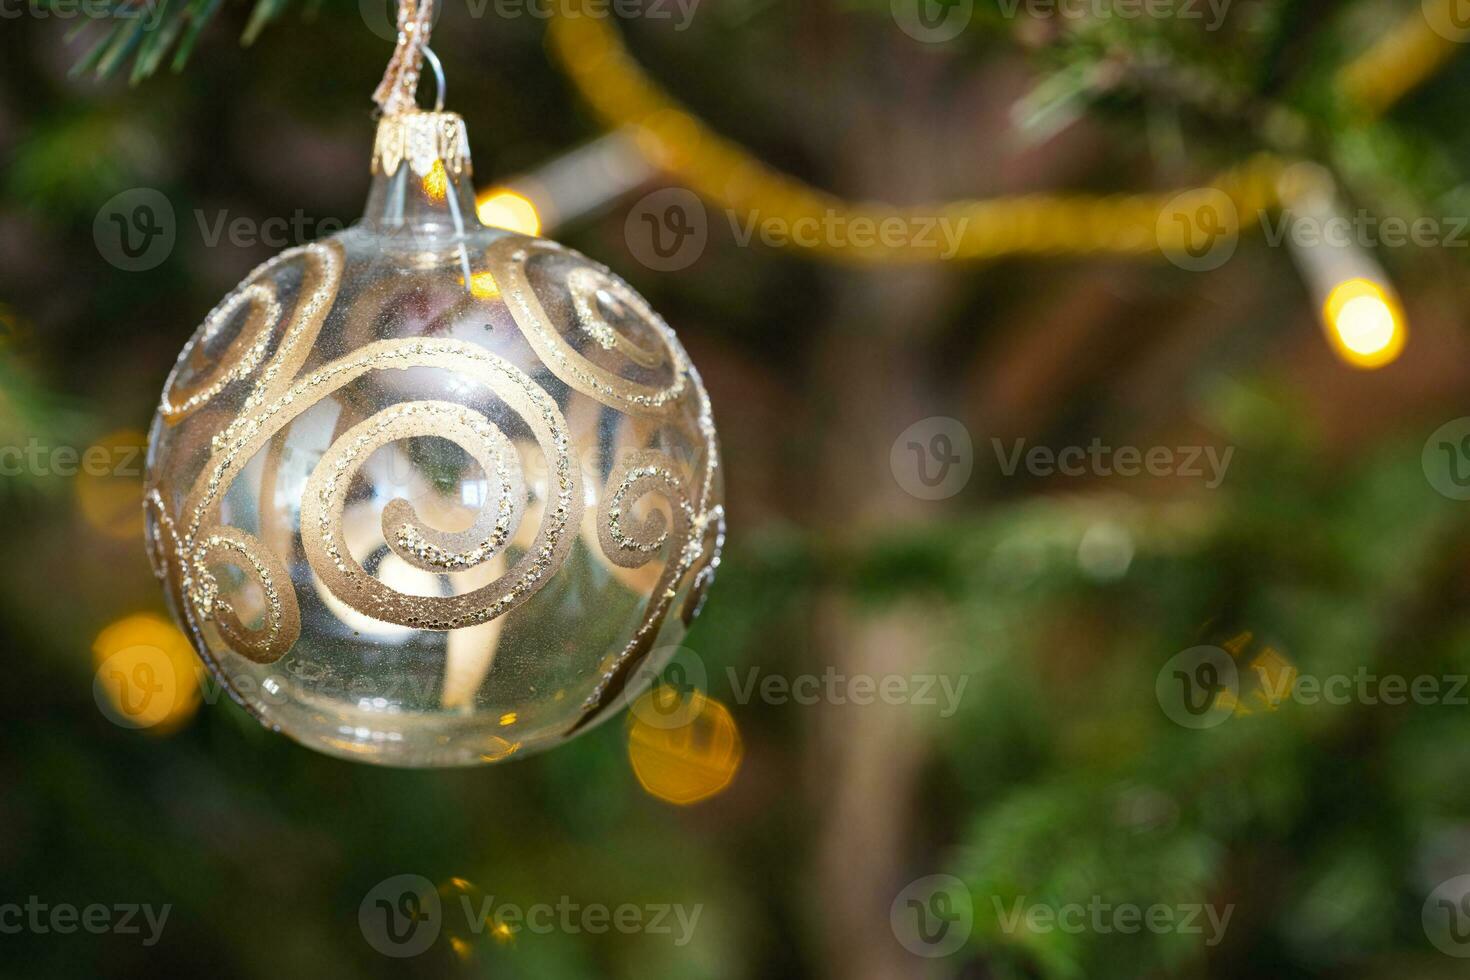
column 428, row 493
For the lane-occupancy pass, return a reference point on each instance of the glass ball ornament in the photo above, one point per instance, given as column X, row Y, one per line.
column 427, row 493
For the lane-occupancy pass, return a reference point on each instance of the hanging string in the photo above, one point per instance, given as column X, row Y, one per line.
column 395, row 92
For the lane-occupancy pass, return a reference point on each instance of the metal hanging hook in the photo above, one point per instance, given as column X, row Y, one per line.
column 433, row 60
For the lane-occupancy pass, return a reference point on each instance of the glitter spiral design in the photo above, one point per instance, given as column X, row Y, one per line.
column 282, row 617
column 429, row 493
column 592, row 290
column 326, row 494
column 632, row 544
column 697, row 536
column 281, row 394
column 203, row 543
column 189, row 543
column 592, row 287
column 239, row 360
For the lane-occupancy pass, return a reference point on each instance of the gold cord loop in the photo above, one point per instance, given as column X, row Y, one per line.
column 395, row 93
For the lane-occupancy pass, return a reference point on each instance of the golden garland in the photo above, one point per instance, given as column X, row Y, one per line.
column 592, row 54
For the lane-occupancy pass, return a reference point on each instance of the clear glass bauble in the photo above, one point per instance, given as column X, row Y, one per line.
column 428, row 493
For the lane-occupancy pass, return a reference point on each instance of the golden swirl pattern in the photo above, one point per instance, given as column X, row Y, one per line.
column 634, row 545
column 282, row 624
column 321, row 528
column 241, row 357
column 590, row 287
column 321, row 278
column 433, row 550
column 162, row 541
column 691, row 533
column 695, row 544
column 203, row 541
column 593, row 290
column 326, row 497
column 281, row 393
column 711, row 517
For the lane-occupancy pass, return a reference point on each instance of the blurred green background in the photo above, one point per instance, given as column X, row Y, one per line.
column 1059, row 602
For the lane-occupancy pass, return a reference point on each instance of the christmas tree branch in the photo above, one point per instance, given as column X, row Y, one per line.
column 145, row 31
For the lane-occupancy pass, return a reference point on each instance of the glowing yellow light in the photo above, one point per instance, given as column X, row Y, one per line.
column 436, row 181
column 483, row 285
column 1364, row 323
column 507, row 719
column 148, row 674
column 109, row 484
column 504, row 208
column 685, row 763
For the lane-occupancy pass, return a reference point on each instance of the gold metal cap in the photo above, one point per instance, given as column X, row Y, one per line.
column 422, row 139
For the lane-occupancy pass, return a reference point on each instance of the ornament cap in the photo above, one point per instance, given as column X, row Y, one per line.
column 422, row 139
column 421, row 174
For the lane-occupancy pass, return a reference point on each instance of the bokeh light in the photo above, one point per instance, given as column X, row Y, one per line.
column 501, row 207
column 1365, row 323
column 147, row 674
column 109, row 484
column 688, row 762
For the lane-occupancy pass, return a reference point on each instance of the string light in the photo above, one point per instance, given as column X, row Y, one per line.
column 592, row 54
column 1364, row 322
column 1364, row 319
column 1404, row 57
column 577, row 183
column 1361, row 314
